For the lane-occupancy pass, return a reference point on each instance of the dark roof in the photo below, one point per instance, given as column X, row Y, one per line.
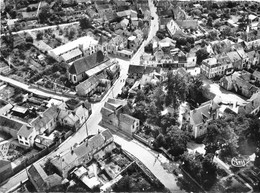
column 46, row 117
column 197, row 115
column 107, row 134
column 102, row 40
column 164, row 20
column 93, row 80
column 150, row 69
column 3, row 163
column 136, row 69
column 82, row 65
column 12, row 124
column 38, row 176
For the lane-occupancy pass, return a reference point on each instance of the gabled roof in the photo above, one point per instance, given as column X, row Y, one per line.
column 38, row 176
column 87, row 147
column 253, row 103
column 164, row 20
column 71, row 54
column 3, row 163
column 87, row 83
column 25, row 131
column 234, row 56
column 10, row 123
column 48, row 115
column 198, row 115
column 242, row 53
column 136, row 69
column 256, row 74
column 82, row 65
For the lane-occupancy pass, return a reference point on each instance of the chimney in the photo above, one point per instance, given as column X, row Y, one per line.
column 81, row 49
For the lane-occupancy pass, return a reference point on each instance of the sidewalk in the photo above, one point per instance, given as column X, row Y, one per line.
column 151, row 162
column 27, row 88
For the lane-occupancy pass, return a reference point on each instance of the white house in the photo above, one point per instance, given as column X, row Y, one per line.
column 86, row 44
column 26, row 136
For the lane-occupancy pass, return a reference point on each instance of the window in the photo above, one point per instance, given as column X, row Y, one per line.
column 26, row 143
column 74, row 78
column 25, row 138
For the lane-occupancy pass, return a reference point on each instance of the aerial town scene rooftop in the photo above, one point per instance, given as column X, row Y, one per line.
column 130, row 96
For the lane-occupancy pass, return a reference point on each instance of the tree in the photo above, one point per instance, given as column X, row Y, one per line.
column 149, row 48
column 201, row 54
column 213, row 34
column 177, row 140
column 210, row 21
column 39, row 35
column 44, row 14
column 85, row 23
column 29, row 39
column 176, row 90
column 71, row 33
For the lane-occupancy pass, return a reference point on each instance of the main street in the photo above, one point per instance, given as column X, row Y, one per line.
column 145, row 155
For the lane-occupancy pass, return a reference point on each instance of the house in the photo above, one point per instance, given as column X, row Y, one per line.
column 226, row 82
column 253, row 105
column 77, row 71
column 46, row 121
column 253, row 58
column 26, row 136
column 113, row 116
column 40, row 180
column 191, row 60
column 126, row 53
column 256, row 76
column 133, row 42
column 135, row 71
column 124, row 23
column 92, row 147
column 102, row 8
column 71, row 56
column 5, row 169
column 73, row 113
column 116, row 43
column 151, row 75
column 209, row 67
column 88, row 86
column 172, row 27
column 4, row 148
column 5, row 109
column 243, row 87
column 10, row 126
column 236, row 60
column 200, row 116
column 91, row 12
column 87, row 45
column 244, row 57
column 29, row 15
column 163, row 22
column 188, row 24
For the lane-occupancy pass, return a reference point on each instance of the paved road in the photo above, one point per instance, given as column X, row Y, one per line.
column 29, row 89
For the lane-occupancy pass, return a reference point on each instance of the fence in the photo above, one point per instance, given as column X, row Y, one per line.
column 148, row 174
column 141, row 139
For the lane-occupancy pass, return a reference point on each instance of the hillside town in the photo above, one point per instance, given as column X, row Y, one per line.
column 130, row 96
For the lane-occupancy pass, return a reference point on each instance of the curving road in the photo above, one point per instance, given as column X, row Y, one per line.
column 144, row 154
